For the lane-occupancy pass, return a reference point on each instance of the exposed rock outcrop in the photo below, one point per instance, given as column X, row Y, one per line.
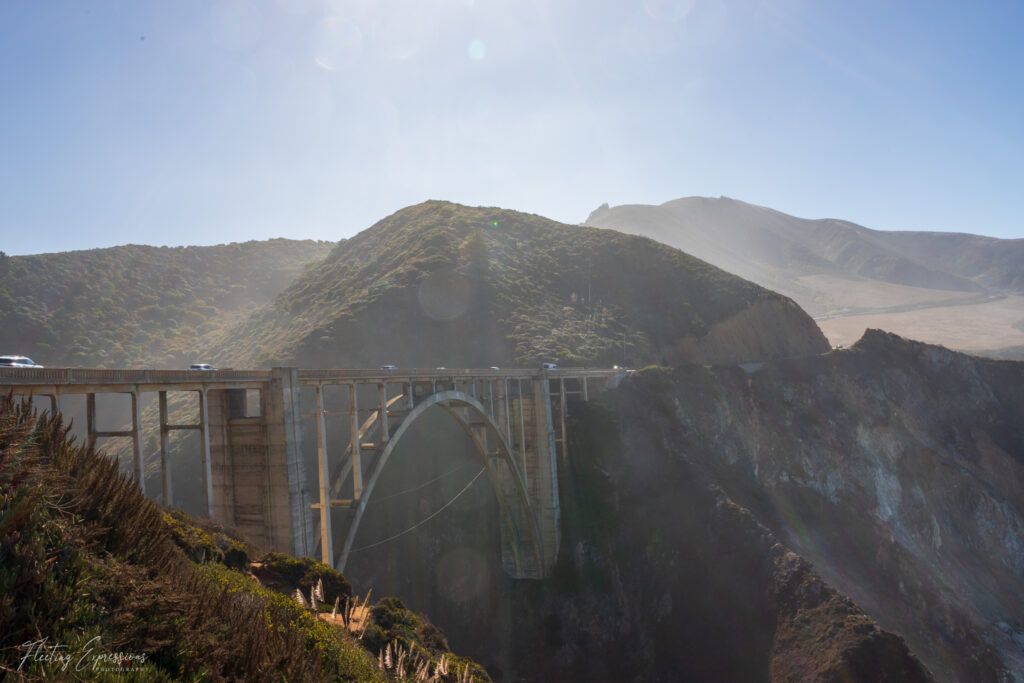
column 768, row 330
column 898, row 469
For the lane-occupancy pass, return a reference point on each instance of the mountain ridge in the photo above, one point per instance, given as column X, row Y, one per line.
column 528, row 288
column 837, row 269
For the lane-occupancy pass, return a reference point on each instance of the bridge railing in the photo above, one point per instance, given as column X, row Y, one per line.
column 51, row 376
column 96, row 376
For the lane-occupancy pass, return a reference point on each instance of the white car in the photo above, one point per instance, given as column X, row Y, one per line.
column 549, row 366
column 201, row 366
column 18, row 362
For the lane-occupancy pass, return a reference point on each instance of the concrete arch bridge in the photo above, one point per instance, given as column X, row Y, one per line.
column 257, row 426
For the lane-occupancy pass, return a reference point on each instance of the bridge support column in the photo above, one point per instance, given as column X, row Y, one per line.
column 561, row 409
column 90, row 419
column 204, row 440
column 165, row 465
column 138, row 461
column 231, row 478
column 289, row 505
column 382, row 412
column 357, row 468
column 550, row 510
column 256, row 464
column 326, row 536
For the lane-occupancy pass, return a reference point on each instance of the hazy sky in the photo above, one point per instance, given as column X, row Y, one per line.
column 203, row 122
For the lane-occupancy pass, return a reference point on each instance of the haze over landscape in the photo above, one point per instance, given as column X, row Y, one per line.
column 725, row 299
column 961, row 291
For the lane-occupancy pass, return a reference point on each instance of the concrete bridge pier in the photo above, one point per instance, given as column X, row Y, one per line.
column 165, row 465
column 257, row 480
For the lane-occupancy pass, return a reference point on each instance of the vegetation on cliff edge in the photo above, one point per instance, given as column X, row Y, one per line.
column 96, row 582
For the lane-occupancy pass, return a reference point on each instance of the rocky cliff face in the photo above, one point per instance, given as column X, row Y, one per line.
column 897, row 468
column 775, row 328
column 664, row 577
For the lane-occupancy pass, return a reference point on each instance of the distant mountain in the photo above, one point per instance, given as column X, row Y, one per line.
column 836, row 269
column 443, row 284
column 137, row 305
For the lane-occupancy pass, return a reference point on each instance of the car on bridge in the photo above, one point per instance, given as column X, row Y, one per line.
column 201, row 366
column 389, row 367
column 18, row 362
column 549, row 366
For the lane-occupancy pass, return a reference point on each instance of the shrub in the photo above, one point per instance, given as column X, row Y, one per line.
column 286, row 573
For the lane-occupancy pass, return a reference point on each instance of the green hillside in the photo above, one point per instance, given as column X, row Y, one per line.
column 443, row 284
column 137, row 305
column 98, row 583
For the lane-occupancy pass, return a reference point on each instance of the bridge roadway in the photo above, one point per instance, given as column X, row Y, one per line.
column 254, row 473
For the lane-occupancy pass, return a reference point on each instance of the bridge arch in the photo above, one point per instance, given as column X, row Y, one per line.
column 521, row 536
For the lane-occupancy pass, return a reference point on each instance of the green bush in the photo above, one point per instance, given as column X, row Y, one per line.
column 286, row 573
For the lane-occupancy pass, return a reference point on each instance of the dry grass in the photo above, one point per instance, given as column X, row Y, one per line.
column 972, row 327
column 354, row 615
column 860, row 293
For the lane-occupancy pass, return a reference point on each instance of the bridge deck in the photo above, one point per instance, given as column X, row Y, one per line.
column 88, row 380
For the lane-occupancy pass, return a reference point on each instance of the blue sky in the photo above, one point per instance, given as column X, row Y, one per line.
column 200, row 122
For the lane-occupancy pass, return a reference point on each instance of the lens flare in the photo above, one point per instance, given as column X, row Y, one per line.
column 444, row 295
column 476, row 50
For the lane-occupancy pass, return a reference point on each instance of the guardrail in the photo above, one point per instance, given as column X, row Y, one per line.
column 98, row 376
column 74, row 376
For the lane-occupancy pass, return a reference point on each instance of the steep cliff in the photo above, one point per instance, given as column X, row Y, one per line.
column 896, row 467
column 663, row 577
